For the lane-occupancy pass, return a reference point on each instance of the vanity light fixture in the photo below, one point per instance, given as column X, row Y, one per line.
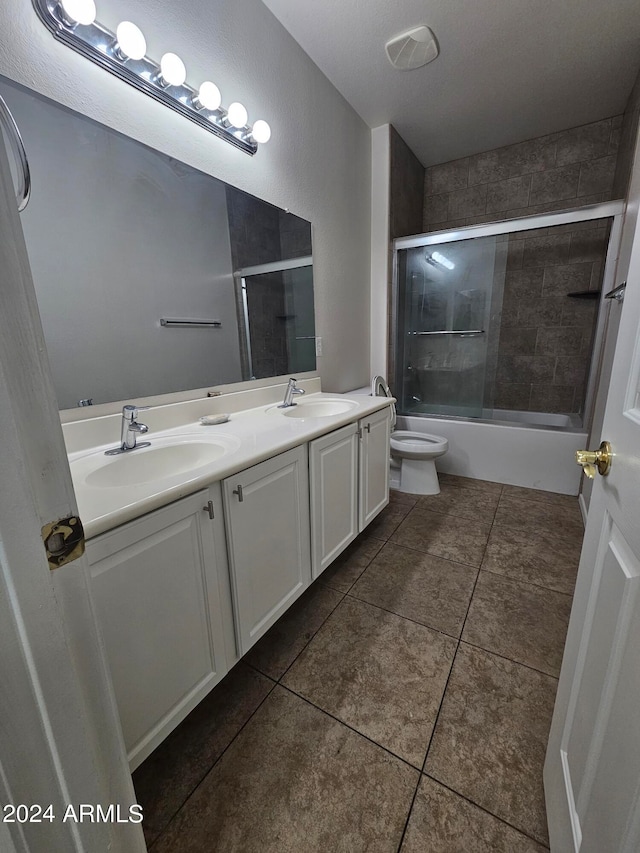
column 75, row 12
column 172, row 71
column 237, row 115
column 130, row 43
column 123, row 53
column 208, row 97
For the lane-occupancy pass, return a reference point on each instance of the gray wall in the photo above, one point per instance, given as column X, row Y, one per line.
column 114, row 249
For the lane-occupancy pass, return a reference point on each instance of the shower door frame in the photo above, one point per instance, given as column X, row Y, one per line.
column 613, row 210
column 240, row 276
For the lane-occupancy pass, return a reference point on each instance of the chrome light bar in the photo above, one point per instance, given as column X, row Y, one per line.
column 73, row 23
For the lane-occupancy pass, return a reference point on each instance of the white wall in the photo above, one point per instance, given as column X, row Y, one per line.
column 380, row 247
column 317, row 162
column 119, row 236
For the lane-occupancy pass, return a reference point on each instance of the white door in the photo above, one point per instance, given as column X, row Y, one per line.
column 60, row 741
column 592, row 771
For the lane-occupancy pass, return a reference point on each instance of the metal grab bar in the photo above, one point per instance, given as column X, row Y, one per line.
column 191, row 324
column 7, row 122
column 453, row 332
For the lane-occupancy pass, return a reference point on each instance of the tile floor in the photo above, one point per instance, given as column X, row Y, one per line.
column 403, row 703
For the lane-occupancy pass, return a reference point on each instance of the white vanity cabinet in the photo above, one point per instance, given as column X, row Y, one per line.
column 154, row 583
column 333, row 474
column 373, row 469
column 267, row 520
column 349, row 484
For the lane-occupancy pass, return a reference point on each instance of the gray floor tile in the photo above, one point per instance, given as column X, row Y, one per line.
column 403, row 498
column 281, row 645
column 490, row 741
column 443, row 822
column 427, row 589
column 524, row 623
column 165, row 780
column 549, row 560
column 471, row 483
column 459, row 539
column 386, row 522
column 466, row 503
column 296, row 780
column 377, row 672
column 525, row 514
column 542, row 496
column 347, row 568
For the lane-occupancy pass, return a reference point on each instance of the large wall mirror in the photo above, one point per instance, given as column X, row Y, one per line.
column 153, row 277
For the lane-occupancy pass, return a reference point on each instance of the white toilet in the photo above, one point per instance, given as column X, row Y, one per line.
column 416, row 452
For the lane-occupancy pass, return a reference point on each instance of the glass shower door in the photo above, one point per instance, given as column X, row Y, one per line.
column 450, row 298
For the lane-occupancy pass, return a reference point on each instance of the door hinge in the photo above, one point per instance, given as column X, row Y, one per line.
column 63, row 541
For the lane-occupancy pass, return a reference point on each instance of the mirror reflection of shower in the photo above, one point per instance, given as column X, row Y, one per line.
column 275, row 307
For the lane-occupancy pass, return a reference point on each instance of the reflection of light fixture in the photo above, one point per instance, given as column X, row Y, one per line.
column 436, row 257
column 123, row 53
column 130, row 42
column 78, row 12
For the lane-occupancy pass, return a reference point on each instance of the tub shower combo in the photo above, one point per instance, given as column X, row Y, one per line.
column 497, row 334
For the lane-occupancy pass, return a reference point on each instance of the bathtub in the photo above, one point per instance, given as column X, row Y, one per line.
column 531, row 449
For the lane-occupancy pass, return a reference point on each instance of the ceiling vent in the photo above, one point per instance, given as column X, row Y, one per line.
column 412, row 49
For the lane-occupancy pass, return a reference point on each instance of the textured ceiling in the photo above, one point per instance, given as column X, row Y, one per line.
column 508, row 70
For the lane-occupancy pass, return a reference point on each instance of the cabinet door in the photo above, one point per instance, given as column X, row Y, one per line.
column 333, row 470
column 374, row 465
column 267, row 516
column 155, row 589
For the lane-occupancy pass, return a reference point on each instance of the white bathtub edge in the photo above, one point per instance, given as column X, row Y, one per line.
column 514, row 455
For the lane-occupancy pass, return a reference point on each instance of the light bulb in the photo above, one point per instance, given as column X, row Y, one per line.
column 172, row 70
column 237, row 115
column 78, row 11
column 208, row 97
column 443, row 261
column 261, row 131
column 130, row 42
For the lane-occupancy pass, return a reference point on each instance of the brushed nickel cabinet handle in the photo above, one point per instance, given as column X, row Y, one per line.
column 238, row 492
column 209, row 508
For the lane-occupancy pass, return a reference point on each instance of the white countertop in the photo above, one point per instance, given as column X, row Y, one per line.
column 254, row 435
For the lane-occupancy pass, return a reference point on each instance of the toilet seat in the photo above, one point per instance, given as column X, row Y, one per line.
column 418, row 445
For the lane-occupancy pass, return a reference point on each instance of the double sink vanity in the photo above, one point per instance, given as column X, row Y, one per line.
column 200, row 541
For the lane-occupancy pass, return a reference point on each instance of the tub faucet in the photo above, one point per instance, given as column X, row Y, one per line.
column 129, row 430
column 288, row 394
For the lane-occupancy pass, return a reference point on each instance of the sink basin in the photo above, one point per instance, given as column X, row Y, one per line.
column 318, row 408
column 163, row 460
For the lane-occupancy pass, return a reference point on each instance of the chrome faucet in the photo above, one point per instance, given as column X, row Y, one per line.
column 288, row 394
column 129, row 430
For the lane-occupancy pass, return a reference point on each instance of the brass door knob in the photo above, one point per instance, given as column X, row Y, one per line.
column 593, row 461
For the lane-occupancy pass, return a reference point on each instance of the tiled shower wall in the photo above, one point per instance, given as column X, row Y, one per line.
column 566, row 169
column 544, row 348
column 545, row 343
